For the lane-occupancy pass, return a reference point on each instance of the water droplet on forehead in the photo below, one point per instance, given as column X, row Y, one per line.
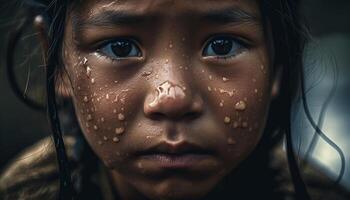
column 240, row 106
column 119, row 130
column 95, row 127
column 227, row 120
column 105, row 138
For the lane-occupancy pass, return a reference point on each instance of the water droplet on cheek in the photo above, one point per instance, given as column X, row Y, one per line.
column 88, row 71
column 121, row 117
column 86, row 99
column 92, row 80
column 231, row 141
column 209, row 89
column 115, row 139
column 227, row 120
column 240, row 106
column 119, row 130
column 221, row 103
column 89, row 117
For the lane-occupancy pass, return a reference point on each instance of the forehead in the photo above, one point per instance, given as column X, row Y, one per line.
column 165, row 7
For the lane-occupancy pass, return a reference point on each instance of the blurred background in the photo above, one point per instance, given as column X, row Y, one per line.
column 327, row 63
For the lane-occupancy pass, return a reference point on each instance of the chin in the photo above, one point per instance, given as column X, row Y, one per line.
column 175, row 189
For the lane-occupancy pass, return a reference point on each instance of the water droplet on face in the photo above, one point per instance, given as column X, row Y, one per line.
column 120, row 130
column 100, row 142
column 167, row 61
column 139, row 165
column 254, row 80
column 209, row 88
column 85, row 60
column 102, row 119
column 231, row 141
column 210, row 77
column 121, row 117
column 78, row 88
column 170, row 46
column 89, row 117
column 107, row 96
column 115, row 81
column 86, row 99
column 105, row 138
column 115, row 139
column 227, row 120
column 225, row 79
column 240, row 106
column 235, row 124
column 147, row 73
column 139, row 124
column 244, row 124
column 95, row 127
column 93, row 80
column 255, row 90
column 114, row 110
column 221, row 103
column 88, row 71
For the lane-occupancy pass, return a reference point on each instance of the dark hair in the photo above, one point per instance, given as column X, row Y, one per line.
column 284, row 30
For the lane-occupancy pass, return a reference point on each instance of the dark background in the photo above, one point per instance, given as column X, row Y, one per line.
column 329, row 21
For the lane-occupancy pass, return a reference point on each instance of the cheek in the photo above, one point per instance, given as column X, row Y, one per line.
column 240, row 104
column 103, row 110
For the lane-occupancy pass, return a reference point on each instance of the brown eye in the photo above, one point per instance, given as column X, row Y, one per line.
column 222, row 46
column 122, row 48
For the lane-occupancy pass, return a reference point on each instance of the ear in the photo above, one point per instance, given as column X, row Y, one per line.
column 62, row 82
column 276, row 82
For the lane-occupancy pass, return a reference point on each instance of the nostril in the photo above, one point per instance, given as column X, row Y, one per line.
column 191, row 116
column 157, row 116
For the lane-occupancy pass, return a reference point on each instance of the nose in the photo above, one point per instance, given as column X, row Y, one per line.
column 173, row 101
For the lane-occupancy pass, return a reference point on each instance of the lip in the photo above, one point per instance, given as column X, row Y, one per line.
column 177, row 155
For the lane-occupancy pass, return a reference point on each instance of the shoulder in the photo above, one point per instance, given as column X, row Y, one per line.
column 318, row 184
column 34, row 173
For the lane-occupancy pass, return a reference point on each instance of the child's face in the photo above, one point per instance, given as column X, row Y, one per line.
column 171, row 95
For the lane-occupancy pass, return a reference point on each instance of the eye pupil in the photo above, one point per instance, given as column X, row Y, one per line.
column 222, row 46
column 121, row 48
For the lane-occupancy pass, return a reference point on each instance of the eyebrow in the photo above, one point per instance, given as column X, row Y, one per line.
column 112, row 18
column 108, row 18
column 233, row 15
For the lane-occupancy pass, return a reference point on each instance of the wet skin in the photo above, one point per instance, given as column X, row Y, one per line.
column 171, row 95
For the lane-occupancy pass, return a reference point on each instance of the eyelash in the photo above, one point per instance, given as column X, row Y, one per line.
column 242, row 45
